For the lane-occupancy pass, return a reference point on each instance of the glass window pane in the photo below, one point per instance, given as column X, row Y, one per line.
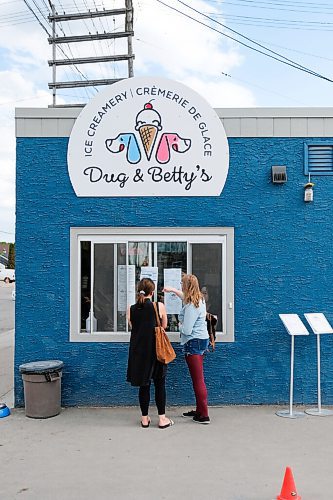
column 110, row 271
column 104, row 287
column 170, row 255
column 207, row 266
column 122, row 288
column 85, row 284
column 139, row 255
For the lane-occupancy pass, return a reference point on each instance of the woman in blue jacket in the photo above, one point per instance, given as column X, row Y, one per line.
column 195, row 339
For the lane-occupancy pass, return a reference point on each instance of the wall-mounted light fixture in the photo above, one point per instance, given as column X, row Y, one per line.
column 308, row 191
column 279, row 174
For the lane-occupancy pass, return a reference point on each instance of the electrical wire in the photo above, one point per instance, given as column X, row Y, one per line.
column 270, row 19
column 239, row 20
column 17, row 15
column 11, row 1
column 282, row 59
column 46, row 6
column 101, row 45
column 249, row 3
column 298, row 51
column 285, row 26
column 74, row 65
column 89, row 31
column 15, row 24
column 262, row 88
column 18, row 100
column 75, row 93
column 35, row 15
column 49, row 34
column 250, row 40
column 108, row 45
column 294, row 3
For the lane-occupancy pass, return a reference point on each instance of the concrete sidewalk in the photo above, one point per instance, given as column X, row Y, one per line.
column 103, row 453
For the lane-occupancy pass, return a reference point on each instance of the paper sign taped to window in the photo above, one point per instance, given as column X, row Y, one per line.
column 151, row 273
column 172, row 278
column 126, row 287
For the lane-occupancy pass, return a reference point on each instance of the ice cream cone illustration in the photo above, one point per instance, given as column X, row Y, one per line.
column 148, row 137
column 148, row 124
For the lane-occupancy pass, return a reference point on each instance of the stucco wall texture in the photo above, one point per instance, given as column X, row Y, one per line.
column 283, row 264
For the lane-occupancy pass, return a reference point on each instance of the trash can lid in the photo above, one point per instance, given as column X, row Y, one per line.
column 41, row 366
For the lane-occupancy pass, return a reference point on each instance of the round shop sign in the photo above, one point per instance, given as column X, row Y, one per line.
column 148, row 137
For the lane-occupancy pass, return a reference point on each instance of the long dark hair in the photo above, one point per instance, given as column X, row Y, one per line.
column 145, row 287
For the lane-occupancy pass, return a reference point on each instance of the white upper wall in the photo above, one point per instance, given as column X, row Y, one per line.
column 238, row 122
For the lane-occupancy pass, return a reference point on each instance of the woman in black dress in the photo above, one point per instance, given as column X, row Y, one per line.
column 143, row 366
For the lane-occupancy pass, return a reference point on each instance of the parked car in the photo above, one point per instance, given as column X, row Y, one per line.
column 7, row 275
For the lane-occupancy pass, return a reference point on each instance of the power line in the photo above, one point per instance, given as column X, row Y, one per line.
column 17, row 15
column 127, row 32
column 18, row 100
column 49, row 34
column 294, row 3
column 284, row 59
column 45, row 5
column 285, row 26
column 262, row 88
column 253, row 41
column 270, row 19
column 11, row 1
column 257, row 5
column 39, row 10
column 299, row 51
column 35, row 15
column 15, row 24
column 93, row 43
column 70, row 51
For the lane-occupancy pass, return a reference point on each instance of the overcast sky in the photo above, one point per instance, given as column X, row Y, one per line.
column 169, row 44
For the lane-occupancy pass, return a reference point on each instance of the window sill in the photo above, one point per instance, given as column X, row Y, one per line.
column 121, row 337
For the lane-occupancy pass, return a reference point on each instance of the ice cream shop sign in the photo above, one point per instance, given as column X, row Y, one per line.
column 148, row 137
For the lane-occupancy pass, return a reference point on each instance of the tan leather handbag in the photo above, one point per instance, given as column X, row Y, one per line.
column 164, row 350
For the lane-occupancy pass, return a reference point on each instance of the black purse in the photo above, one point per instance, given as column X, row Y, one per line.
column 211, row 321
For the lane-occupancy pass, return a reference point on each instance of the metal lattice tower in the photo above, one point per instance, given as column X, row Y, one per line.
column 54, row 40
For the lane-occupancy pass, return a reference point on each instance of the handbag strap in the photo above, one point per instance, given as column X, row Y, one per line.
column 157, row 314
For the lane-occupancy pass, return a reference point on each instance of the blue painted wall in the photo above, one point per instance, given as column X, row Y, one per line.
column 283, row 263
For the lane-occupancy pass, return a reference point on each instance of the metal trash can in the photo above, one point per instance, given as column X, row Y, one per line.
column 42, row 388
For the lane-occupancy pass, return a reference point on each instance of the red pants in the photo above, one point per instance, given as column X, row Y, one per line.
column 195, row 366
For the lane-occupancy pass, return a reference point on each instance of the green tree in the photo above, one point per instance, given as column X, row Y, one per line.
column 11, row 256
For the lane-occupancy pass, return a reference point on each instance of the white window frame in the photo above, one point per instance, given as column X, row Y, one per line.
column 225, row 235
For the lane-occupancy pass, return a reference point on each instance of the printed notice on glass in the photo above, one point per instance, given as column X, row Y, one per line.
column 126, row 287
column 173, row 278
column 149, row 272
column 293, row 324
column 318, row 323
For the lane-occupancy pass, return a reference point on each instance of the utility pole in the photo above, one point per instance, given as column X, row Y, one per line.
column 129, row 29
column 128, row 33
column 54, row 67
